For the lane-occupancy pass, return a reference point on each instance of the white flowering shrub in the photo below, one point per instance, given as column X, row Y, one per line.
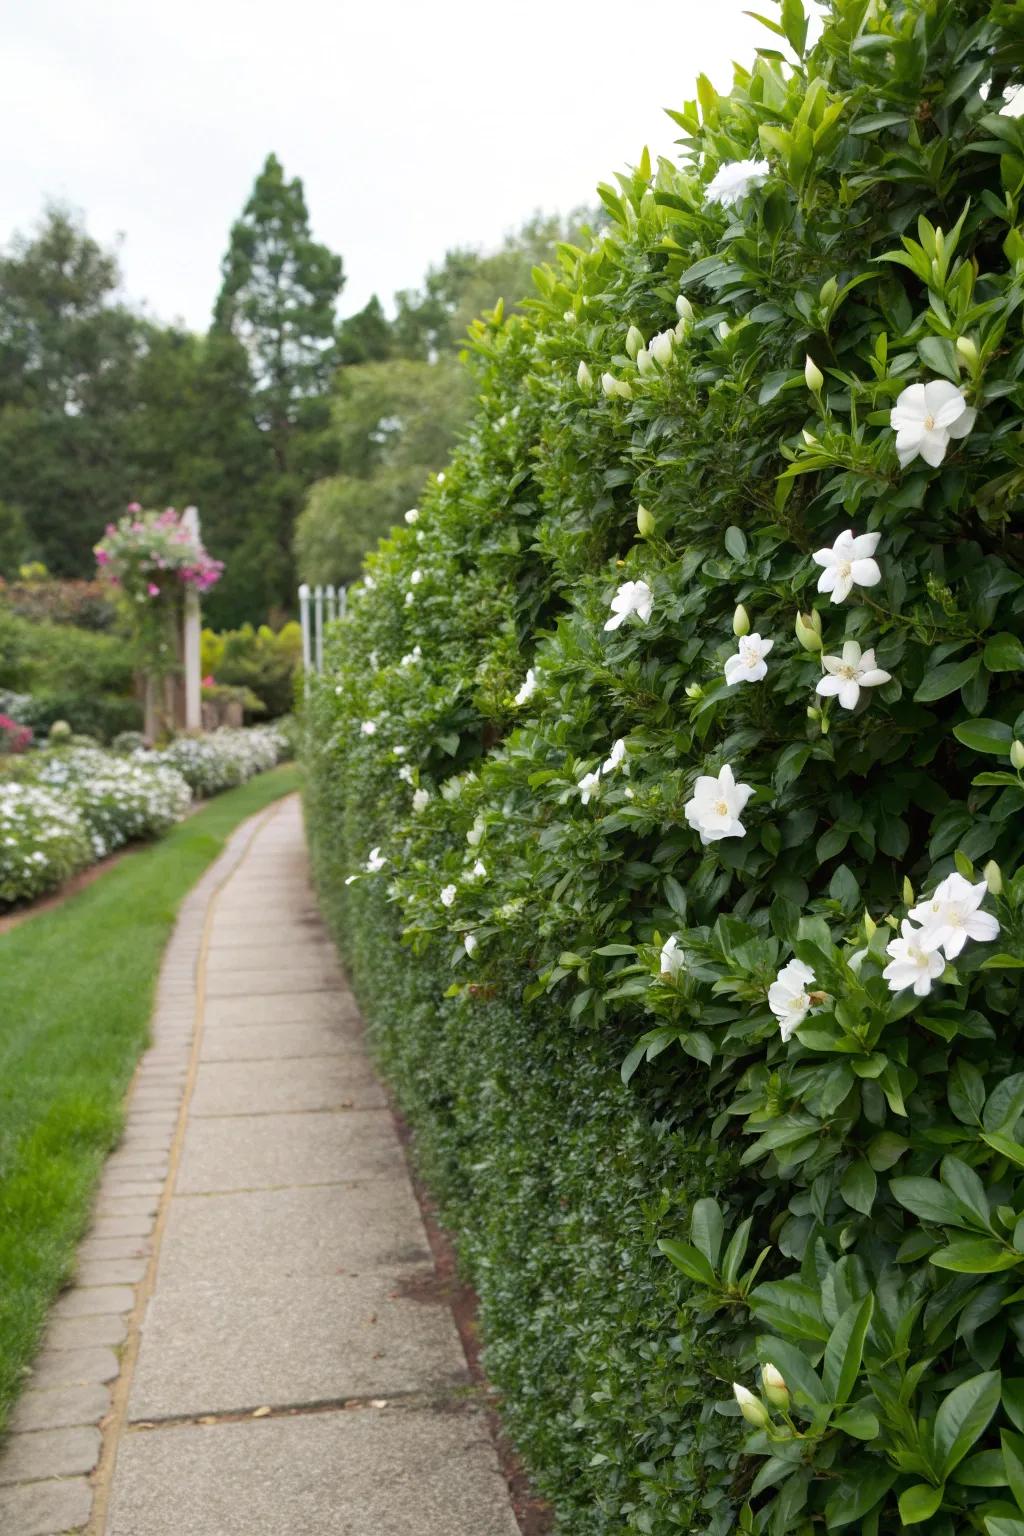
column 224, row 758
column 43, row 840
column 698, row 969
column 119, row 799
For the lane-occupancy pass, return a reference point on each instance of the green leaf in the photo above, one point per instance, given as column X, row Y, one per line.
column 689, row 1260
column 856, row 1497
column 1005, row 1147
column 706, row 1228
column 962, row 1417
column 734, row 1253
column 990, row 736
column 976, row 1256
column 940, row 681
column 845, row 1349
column 860, row 1423
column 736, row 542
column 919, row 1503
column 1003, row 1525
column 928, row 1200
column 1003, row 653
column 859, row 1186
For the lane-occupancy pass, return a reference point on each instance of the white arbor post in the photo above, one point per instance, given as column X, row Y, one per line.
column 304, row 616
column 191, row 640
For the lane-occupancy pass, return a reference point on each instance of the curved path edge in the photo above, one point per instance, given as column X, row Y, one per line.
column 252, row 1345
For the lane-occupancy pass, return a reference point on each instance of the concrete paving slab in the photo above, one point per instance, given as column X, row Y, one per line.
column 226, row 1240
column 57, row 1406
column 313, row 978
column 362, row 1473
column 297, row 954
column 209, row 1349
column 263, row 1042
column 270, row 1087
column 264, row 1152
column 49, row 1453
column 282, row 1008
column 45, row 1509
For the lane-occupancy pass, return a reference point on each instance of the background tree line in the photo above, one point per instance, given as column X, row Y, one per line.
column 301, row 436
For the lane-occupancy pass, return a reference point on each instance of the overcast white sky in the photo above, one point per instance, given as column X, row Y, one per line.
column 415, row 125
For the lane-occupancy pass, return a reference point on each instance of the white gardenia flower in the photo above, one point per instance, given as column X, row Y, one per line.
column 408, row 599
column 748, row 665
column 448, row 894
column 528, row 689
column 617, row 758
column 412, row 656
column 368, row 583
column 470, row 942
column 405, row 773
column 731, row 183
column 369, row 727
column 849, row 673
column 788, row 997
column 950, row 916
column 911, row 964
column 716, row 806
column 375, row 863
column 660, row 347
column 925, row 417
column 412, row 515
column 420, row 800
column 848, row 564
column 632, row 597
column 478, row 872
column 583, row 376
column 645, row 361
column 415, row 578
column 672, row 958
column 589, row 787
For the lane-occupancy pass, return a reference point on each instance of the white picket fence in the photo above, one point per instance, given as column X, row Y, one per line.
column 317, row 607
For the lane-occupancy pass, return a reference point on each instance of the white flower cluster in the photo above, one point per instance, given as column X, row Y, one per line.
column 223, row 758
column 119, row 798
column 43, row 840
column 589, row 785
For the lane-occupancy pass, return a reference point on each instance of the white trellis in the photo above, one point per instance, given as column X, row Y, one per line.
column 317, row 607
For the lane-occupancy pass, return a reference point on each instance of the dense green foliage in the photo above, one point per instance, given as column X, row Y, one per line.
column 70, row 1036
column 79, row 675
column 263, row 660
column 545, row 891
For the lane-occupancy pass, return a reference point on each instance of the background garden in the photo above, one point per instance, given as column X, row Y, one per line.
column 665, row 791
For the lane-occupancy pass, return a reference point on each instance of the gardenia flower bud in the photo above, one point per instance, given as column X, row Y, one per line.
column 993, row 878
column 694, row 691
column 584, row 377
column 751, row 1407
column 808, row 630
column 1017, row 754
column 967, row 351
column 660, row 347
column 740, row 622
column 775, row 1389
column 645, row 522
column 814, row 376
column 908, row 892
column 645, row 361
column 634, row 340
column 684, row 309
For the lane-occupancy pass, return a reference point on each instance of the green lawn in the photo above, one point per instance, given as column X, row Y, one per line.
column 76, row 992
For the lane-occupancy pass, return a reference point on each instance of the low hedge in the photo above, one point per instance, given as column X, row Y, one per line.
column 665, row 794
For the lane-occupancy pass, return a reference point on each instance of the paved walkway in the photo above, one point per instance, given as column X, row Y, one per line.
column 255, row 1345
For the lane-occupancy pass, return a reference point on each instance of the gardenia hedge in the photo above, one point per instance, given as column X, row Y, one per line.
column 70, row 804
column 665, row 795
